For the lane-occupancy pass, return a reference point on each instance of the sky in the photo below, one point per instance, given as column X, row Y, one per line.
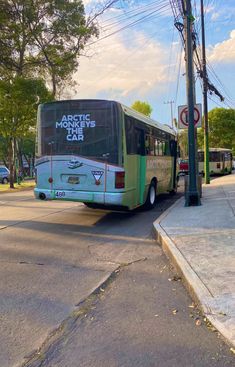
column 145, row 60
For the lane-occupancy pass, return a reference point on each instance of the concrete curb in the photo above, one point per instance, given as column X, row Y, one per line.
column 193, row 283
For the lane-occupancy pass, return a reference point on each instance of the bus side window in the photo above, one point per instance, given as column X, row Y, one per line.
column 139, row 142
column 149, row 145
column 159, row 147
column 130, row 136
column 172, row 146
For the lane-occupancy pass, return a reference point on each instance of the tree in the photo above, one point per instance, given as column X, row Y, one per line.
column 46, row 38
column 183, row 142
column 222, row 128
column 221, row 131
column 3, row 150
column 142, row 107
column 38, row 38
column 18, row 105
column 200, row 138
column 26, row 151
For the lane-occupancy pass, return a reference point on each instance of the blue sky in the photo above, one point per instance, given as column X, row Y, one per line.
column 145, row 61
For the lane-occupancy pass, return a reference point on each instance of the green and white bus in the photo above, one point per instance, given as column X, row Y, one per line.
column 220, row 161
column 102, row 152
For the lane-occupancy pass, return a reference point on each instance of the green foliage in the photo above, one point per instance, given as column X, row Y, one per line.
column 19, row 99
column 183, row 142
column 221, row 131
column 200, row 138
column 3, row 150
column 37, row 38
column 18, row 105
column 142, row 107
column 43, row 37
column 222, row 128
column 27, row 144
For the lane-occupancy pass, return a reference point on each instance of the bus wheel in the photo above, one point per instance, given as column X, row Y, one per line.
column 174, row 191
column 91, row 205
column 151, row 198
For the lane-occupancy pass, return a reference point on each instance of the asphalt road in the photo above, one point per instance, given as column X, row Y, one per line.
column 55, row 254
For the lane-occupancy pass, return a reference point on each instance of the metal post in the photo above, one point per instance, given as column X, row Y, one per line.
column 205, row 105
column 192, row 197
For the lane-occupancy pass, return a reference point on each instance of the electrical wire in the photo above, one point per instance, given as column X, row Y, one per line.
column 151, row 15
column 132, row 13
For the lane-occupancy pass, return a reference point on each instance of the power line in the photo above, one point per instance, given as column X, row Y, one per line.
column 132, row 13
column 151, row 15
column 177, row 13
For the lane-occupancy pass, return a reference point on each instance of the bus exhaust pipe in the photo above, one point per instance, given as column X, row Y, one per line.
column 42, row 196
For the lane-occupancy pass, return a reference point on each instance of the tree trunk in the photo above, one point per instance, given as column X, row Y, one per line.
column 11, row 162
column 54, row 85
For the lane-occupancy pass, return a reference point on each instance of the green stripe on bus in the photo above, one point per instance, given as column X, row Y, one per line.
column 142, row 178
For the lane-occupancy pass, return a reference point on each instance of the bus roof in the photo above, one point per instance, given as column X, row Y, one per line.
column 127, row 110
column 216, row 150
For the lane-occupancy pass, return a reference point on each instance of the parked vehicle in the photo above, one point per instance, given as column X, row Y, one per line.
column 4, row 175
column 102, row 152
column 183, row 167
column 220, row 161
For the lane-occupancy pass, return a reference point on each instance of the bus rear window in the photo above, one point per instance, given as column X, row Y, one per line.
column 84, row 128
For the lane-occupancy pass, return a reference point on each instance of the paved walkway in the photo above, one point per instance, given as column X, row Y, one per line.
column 201, row 243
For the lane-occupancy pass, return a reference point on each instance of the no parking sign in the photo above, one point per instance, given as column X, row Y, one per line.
column 183, row 116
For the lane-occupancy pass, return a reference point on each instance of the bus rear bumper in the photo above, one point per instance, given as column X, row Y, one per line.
column 108, row 198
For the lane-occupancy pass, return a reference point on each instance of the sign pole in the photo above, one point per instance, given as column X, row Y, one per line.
column 192, row 197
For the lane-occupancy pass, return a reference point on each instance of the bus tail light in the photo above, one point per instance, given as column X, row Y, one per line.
column 119, row 180
column 50, row 180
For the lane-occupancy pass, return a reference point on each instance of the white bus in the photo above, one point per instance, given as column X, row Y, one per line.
column 220, row 161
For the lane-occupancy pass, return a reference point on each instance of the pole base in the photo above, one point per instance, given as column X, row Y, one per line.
column 192, row 198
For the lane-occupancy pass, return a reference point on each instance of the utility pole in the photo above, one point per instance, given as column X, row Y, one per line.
column 171, row 103
column 192, row 196
column 205, row 105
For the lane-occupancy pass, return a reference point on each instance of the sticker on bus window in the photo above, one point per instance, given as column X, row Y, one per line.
column 75, row 125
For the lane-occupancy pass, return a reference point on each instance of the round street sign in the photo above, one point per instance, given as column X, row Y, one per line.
column 183, row 116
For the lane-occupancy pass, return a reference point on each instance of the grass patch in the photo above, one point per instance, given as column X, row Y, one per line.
column 17, row 187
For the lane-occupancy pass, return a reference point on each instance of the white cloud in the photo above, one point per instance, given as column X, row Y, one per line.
column 224, row 51
column 121, row 70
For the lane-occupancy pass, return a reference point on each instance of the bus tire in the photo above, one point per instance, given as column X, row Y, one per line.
column 151, row 197
column 91, row 205
column 173, row 191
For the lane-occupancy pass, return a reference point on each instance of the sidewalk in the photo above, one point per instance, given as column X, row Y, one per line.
column 201, row 243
